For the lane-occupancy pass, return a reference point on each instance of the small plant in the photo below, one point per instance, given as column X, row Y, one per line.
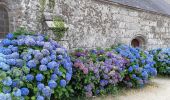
column 59, row 28
column 162, row 59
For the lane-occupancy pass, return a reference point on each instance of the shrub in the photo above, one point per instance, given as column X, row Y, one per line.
column 141, row 67
column 96, row 71
column 162, row 59
column 33, row 66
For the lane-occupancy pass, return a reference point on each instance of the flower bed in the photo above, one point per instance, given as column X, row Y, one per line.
column 96, row 71
column 33, row 67
column 162, row 59
column 141, row 67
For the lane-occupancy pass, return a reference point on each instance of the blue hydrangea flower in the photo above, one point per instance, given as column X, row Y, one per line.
column 4, row 66
column 38, row 55
column 6, row 89
column 10, row 36
column 31, row 64
column 11, row 62
column 7, row 51
column 15, row 83
column 53, row 57
column 40, row 38
column 39, row 77
column 40, row 98
column 6, row 42
column 29, row 77
column 20, row 42
column 26, row 56
column 68, row 76
column 59, row 57
column 52, row 64
column 130, row 69
column 2, row 96
column 144, row 74
column 7, row 81
column 63, row 83
column 46, row 91
column 54, row 77
column 43, row 68
column 24, row 91
column 29, row 41
column 14, row 42
column 44, row 61
column 19, row 62
column 8, row 97
column 17, row 93
column 14, row 49
column 47, row 46
column 14, row 55
column 45, row 52
column 40, row 86
column 52, row 84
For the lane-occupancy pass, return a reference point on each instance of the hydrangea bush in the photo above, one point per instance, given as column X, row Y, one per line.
column 141, row 67
column 96, row 71
column 32, row 66
column 162, row 59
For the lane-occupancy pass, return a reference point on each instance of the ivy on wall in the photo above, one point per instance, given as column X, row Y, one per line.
column 59, row 24
column 59, row 28
column 51, row 4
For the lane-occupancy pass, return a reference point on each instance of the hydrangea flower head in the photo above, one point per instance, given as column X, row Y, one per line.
column 52, row 84
column 39, row 77
column 63, row 83
column 24, row 91
column 10, row 36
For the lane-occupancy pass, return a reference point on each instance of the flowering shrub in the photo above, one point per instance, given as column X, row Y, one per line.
column 141, row 67
column 162, row 59
column 33, row 67
column 96, row 71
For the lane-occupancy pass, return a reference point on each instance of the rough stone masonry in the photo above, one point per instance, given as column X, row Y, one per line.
column 94, row 23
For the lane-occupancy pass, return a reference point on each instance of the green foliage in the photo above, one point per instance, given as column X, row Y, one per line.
column 59, row 28
column 22, row 31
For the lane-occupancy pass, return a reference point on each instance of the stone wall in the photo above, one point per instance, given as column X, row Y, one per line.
column 93, row 23
column 25, row 13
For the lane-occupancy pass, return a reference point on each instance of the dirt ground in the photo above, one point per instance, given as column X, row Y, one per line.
column 158, row 89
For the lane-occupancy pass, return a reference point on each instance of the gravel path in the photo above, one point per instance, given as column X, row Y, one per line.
column 159, row 89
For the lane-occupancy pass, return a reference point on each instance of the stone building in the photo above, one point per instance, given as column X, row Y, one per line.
column 95, row 23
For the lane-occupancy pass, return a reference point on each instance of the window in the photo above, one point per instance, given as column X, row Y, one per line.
column 135, row 43
column 4, row 22
column 138, row 41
